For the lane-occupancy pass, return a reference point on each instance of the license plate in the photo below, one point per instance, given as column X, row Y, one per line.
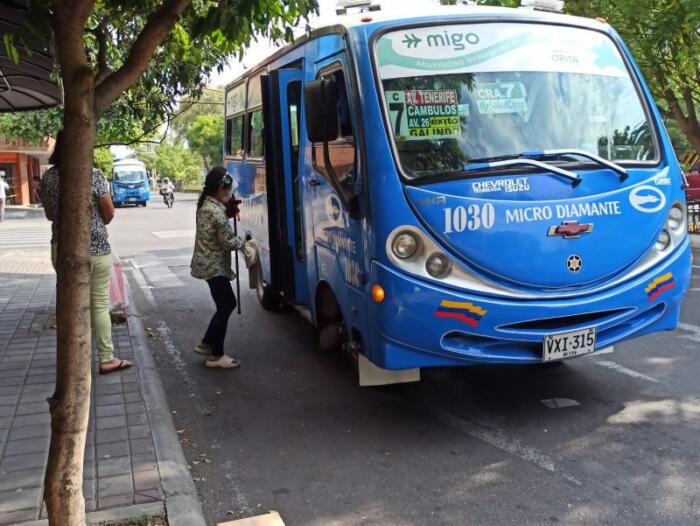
column 133, row 199
column 568, row 344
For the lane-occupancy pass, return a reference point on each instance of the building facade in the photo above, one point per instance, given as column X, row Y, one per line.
column 22, row 164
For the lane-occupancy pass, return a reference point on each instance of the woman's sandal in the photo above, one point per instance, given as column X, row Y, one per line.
column 203, row 349
column 123, row 365
column 224, row 362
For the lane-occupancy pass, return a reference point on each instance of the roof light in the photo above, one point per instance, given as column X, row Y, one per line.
column 342, row 6
column 554, row 6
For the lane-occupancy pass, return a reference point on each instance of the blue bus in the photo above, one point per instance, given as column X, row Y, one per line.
column 130, row 183
column 466, row 186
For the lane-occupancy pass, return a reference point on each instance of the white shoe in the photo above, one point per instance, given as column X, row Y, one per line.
column 223, row 362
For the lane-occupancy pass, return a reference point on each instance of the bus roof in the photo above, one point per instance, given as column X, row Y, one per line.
column 127, row 162
column 393, row 13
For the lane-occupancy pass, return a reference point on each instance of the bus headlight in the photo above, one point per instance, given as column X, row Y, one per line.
column 664, row 240
column 438, row 265
column 676, row 217
column 405, row 245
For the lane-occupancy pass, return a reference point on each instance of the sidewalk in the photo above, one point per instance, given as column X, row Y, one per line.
column 134, row 465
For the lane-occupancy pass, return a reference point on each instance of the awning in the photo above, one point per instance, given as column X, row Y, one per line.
column 26, row 85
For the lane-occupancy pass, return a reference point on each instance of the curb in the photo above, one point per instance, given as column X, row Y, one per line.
column 21, row 212
column 181, row 501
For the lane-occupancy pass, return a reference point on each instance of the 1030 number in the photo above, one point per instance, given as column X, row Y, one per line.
column 472, row 217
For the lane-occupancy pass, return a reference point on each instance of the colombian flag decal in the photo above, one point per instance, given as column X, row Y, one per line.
column 659, row 286
column 465, row 312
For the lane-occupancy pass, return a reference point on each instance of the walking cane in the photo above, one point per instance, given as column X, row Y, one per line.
column 238, row 276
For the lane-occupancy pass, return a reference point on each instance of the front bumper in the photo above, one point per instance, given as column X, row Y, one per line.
column 423, row 325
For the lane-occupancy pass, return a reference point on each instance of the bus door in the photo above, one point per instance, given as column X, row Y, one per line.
column 283, row 119
column 329, row 193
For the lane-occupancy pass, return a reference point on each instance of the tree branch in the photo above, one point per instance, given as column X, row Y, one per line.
column 103, row 69
column 155, row 31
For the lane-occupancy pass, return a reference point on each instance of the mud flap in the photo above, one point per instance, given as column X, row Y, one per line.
column 371, row 375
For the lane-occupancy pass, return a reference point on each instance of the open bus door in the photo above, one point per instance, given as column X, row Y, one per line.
column 282, row 113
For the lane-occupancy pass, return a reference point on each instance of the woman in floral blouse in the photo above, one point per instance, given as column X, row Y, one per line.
column 211, row 261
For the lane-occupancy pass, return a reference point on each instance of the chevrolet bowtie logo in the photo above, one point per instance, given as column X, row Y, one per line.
column 570, row 229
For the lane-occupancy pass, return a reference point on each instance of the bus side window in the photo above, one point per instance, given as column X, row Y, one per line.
column 234, row 136
column 342, row 150
column 256, row 142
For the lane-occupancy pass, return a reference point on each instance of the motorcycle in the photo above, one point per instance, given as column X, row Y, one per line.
column 168, row 197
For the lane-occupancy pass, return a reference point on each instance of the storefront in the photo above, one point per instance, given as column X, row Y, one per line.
column 21, row 165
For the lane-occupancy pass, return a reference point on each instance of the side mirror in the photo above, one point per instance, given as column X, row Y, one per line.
column 321, row 110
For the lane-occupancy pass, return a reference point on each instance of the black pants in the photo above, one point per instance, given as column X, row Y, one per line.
column 225, row 301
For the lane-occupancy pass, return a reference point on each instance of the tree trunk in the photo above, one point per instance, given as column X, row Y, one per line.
column 70, row 402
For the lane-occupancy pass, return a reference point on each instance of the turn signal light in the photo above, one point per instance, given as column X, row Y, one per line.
column 378, row 293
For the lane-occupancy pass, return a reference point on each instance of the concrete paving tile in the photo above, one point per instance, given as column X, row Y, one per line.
column 5, row 422
column 135, row 407
column 43, row 370
column 113, row 466
column 30, row 478
column 16, row 517
column 146, row 479
column 105, row 436
column 141, row 445
column 44, row 363
column 89, row 470
column 34, row 397
column 143, row 462
column 112, row 486
column 141, row 431
column 31, row 420
column 20, row 499
column 6, row 410
column 115, row 501
column 7, row 391
column 23, row 462
column 110, row 422
column 132, row 397
column 39, row 388
column 108, row 379
column 24, row 432
column 136, row 419
column 89, row 489
column 112, row 449
column 130, row 387
column 110, row 410
column 27, row 445
column 33, row 408
column 140, row 498
column 15, row 370
column 108, row 389
column 14, row 380
column 101, row 400
column 41, row 378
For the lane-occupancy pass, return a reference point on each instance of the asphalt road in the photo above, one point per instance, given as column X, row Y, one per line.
column 608, row 440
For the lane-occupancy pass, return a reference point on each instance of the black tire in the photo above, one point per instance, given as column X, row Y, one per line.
column 269, row 299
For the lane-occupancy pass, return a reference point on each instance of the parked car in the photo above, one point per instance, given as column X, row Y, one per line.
column 692, row 192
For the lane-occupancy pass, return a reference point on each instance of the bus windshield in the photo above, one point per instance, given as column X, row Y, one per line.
column 129, row 176
column 457, row 93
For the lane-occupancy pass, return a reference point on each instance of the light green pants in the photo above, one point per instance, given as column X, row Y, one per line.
column 100, row 270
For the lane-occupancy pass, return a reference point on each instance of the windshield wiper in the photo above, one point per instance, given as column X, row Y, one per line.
column 488, row 163
column 580, row 153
